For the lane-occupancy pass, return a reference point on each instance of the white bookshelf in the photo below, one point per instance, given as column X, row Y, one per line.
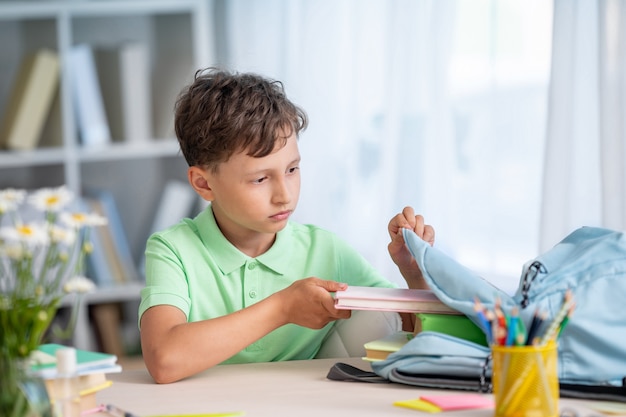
column 180, row 39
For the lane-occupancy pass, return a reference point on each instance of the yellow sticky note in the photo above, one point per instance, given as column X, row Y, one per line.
column 418, row 404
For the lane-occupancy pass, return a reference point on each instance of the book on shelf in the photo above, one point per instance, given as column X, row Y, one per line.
column 124, row 75
column 31, row 99
column 43, row 362
column 379, row 349
column 92, row 123
column 98, row 266
column 111, row 261
column 405, row 300
column 454, row 325
column 52, row 131
column 107, row 244
column 177, row 201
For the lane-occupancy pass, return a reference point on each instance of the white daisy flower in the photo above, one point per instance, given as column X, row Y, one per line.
column 30, row 234
column 78, row 220
column 12, row 251
column 62, row 235
column 51, row 199
column 79, row 284
column 10, row 199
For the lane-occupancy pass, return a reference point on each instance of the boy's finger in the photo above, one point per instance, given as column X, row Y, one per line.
column 409, row 215
column 429, row 234
column 332, row 286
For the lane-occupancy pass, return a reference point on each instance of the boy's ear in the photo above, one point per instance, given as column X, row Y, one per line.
column 198, row 179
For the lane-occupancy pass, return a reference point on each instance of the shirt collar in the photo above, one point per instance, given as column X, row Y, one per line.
column 228, row 258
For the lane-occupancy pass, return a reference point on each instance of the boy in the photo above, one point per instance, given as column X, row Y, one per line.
column 240, row 282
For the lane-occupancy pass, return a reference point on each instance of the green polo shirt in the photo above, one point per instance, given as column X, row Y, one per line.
column 193, row 267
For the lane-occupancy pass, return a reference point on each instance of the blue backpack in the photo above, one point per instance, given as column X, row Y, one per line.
column 590, row 262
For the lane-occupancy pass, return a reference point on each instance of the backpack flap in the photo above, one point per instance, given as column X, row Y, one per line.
column 454, row 284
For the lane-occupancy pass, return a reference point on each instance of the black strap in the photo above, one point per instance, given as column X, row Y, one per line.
column 594, row 392
column 344, row 372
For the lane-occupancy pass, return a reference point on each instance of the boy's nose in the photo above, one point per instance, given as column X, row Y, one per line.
column 282, row 193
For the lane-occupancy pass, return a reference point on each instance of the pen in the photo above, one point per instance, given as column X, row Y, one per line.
column 95, row 410
column 512, row 329
column 556, row 322
column 520, row 338
column 500, row 335
column 118, row 412
column 535, row 324
column 566, row 319
column 480, row 312
column 228, row 414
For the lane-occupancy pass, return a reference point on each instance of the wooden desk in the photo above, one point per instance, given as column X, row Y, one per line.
column 293, row 388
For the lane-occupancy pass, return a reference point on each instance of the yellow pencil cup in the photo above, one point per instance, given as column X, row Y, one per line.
column 525, row 381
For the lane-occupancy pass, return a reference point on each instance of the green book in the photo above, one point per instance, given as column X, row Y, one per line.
column 43, row 361
column 454, row 325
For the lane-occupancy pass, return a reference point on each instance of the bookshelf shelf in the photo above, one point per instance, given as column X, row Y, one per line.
column 118, row 151
column 32, row 158
column 178, row 38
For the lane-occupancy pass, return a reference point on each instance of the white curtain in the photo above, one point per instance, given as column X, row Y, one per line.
column 437, row 104
column 585, row 181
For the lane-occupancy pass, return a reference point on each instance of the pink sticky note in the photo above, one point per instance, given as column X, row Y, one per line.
column 459, row 401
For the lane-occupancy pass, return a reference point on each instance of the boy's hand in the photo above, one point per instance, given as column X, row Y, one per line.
column 397, row 248
column 308, row 302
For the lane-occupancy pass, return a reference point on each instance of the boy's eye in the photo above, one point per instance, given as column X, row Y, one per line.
column 259, row 180
column 293, row 169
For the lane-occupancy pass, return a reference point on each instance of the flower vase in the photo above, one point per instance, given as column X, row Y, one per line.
column 22, row 394
column 22, row 326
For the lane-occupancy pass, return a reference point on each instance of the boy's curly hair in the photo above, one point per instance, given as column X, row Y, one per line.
column 222, row 113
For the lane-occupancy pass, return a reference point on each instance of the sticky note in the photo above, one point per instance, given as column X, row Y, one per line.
column 459, row 401
column 418, row 404
column 438, row 403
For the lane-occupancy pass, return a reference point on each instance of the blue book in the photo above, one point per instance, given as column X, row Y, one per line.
column 115, row 246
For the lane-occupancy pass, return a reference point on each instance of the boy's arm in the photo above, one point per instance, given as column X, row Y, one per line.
column 398, row 250
column 174, row 349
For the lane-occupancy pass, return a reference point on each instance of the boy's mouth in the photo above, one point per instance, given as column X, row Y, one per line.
column 283, row 215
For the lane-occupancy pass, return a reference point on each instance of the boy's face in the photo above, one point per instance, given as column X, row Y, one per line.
column 252, row 196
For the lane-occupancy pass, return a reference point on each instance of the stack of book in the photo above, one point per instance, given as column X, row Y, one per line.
column 406, row 300
column 457, row 325
column 432, row 315
column 92, row 369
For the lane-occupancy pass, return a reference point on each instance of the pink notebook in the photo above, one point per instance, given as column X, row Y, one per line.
column 391, row 299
